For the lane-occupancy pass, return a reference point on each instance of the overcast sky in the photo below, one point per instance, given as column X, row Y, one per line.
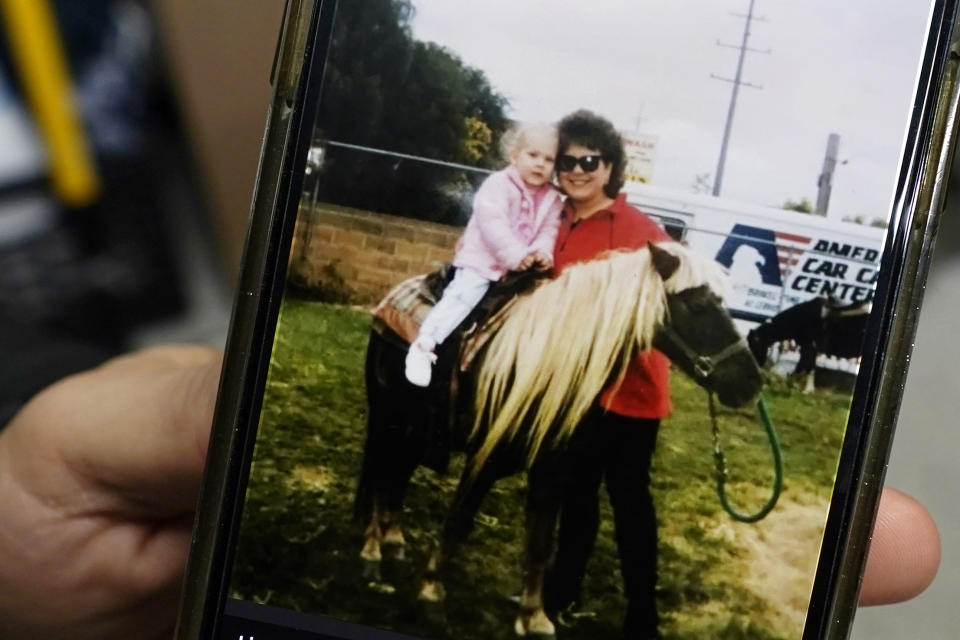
column 845, row 67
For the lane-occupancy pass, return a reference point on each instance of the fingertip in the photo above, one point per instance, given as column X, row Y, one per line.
column 904, row 553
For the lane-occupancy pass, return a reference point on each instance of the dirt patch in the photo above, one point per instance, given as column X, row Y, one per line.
column 779, row 558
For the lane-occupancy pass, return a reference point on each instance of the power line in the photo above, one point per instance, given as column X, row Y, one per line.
column 737, row 82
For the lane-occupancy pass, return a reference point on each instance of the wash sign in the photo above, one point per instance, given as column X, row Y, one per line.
column 774, row 269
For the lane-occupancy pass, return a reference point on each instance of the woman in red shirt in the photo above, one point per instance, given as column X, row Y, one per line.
column 616, row 440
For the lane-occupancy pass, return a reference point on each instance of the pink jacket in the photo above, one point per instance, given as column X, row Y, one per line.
column 506, row 226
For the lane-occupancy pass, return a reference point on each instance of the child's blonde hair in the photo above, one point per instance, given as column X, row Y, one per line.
column 513, row 140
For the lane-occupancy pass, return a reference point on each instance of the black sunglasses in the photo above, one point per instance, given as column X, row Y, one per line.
column 587, row 163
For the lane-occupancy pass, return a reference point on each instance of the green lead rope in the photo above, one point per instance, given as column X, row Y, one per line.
column 721, row 463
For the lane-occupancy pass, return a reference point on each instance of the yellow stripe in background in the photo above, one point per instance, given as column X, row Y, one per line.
column 39, row 56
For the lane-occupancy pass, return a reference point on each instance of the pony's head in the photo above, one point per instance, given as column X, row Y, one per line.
column 570, row 338
column 699, row 337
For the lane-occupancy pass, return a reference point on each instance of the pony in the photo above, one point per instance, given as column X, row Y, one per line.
column 817, row 326
column 557, row 348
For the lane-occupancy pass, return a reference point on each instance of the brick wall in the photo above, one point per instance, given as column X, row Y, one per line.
column 372, row 252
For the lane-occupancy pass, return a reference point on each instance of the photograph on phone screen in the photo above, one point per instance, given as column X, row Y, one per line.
column 574, row 310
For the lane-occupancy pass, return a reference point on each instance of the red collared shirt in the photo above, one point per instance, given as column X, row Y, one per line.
column 645, row 391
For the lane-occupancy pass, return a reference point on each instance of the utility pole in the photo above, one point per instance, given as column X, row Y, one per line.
column 737, row 82
column 636, row 124
column 825, row 181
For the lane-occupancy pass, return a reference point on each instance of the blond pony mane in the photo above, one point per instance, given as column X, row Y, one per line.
column 561, row 344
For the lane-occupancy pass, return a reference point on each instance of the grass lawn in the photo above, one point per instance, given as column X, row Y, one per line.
column 299, row 548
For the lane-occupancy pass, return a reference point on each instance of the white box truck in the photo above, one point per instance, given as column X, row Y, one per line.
column 776, row 258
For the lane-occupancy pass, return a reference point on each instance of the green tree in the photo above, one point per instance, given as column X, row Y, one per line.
column 803, row 205
column 879, row 223
column 479, row 138
column 386, row 90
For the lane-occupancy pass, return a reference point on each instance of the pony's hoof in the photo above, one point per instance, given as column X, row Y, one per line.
column 371, row 570
column 537, row 626
column 394, row 535
column 521, row 632
column 518, row 627
column 431, row 591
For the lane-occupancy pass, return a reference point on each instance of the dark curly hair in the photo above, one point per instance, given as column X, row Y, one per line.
column 589, row 130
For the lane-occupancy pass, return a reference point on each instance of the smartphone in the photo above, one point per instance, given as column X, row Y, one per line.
column 572, row 320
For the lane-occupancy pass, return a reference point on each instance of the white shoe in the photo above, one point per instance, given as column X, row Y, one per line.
column 419, row 364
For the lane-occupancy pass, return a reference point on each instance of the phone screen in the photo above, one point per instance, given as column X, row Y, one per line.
column 474, row 424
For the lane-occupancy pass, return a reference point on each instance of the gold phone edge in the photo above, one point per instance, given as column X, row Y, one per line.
column 194, row 616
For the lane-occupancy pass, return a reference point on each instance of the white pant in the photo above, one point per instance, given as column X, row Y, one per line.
column 458, row 300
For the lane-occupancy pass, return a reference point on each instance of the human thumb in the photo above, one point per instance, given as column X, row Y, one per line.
column 133, row 431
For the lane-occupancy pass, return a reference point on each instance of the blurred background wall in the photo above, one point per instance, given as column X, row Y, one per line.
column 171, row 98
column 87, row 185
column 219, row 54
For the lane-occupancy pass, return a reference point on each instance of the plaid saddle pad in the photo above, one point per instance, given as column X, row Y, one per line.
column 404, row 308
